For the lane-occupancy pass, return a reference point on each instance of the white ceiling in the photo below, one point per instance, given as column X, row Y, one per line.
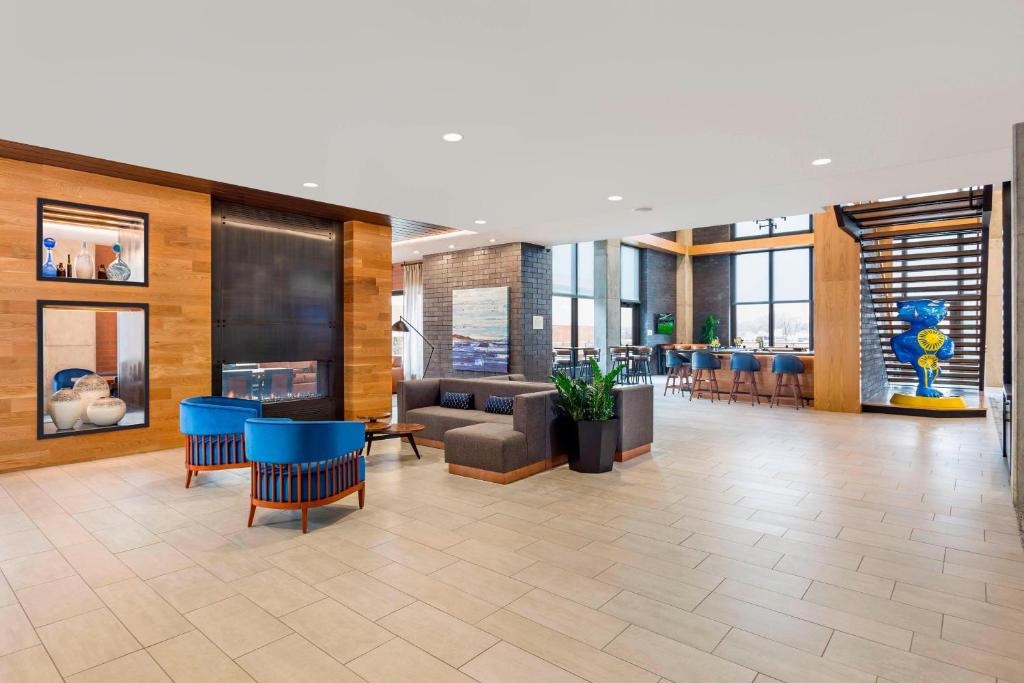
column 709, row 112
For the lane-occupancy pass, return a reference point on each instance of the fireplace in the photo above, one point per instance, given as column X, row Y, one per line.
column 298, row 389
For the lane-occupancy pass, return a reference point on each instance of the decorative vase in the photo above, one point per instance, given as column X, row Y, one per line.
column 118, row 269
column 49, row 270
column 84, row 265
column 107, row 411
column 90, row 388
column 65, row 407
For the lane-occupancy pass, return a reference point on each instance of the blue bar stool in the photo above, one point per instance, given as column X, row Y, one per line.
column 740, row 364
column 673, row 372
column 704, row 366
column 787, row 371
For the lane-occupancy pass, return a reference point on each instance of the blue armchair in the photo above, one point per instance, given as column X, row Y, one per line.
column 214, row 429
column 299, row 465
column 65, row 379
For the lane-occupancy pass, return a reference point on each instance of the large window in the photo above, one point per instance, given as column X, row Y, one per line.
column 766, row 227
column 572, row 306
column 629, row 268
column 772, row 296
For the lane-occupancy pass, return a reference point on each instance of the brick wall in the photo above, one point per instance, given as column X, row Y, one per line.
column 873, row 377
column 712, row 234
column 657, row 293
column 525, row 269
column 712, row 283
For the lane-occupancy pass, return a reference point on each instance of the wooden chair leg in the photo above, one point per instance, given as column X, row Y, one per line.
column 188, row 478
column 305, row 520
column 694, row 388
column 798, row 395
column 252, row 513
column 755, row 393
column 735, row 386
column 775, row 391
column 362, row 497
column 714, row 387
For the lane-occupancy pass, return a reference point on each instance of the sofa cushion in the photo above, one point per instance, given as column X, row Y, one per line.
column 483, row 388
column 437, row 420
column 486, row 446
column 499, row 405
column 455, row 399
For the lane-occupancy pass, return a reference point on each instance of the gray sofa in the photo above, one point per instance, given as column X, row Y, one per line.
column 504, row 448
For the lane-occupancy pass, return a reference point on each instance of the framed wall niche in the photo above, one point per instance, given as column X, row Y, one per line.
column 78, row 340
column 86, row 238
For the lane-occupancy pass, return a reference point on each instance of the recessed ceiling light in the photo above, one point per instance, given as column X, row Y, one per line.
column 451, row 246
column 615, row 198
column 311, row 184
column 452, row 137
column 824, row 161
column 643, row 209
column 415, row 251
column 491, row 240
column 480, row 222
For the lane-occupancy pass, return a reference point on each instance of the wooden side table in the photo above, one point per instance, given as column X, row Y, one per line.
column 395, row 431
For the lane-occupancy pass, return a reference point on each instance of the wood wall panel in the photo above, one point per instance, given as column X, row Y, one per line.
column 836, row 316
column 367, row 318
column 178, row 295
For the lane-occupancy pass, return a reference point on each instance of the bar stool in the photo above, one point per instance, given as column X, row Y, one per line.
column 673, row 376
column 588, row 354
column 787, row 371
column 641, row 364
column 704, row 366
column 741, row 363
column 619, row 356
column 561, row 361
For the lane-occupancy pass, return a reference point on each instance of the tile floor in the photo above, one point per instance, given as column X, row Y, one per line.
column 753, row 544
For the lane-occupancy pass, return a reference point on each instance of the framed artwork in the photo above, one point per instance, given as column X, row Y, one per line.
column 480, row 329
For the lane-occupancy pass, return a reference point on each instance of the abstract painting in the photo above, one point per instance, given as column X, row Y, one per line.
column 480, row 329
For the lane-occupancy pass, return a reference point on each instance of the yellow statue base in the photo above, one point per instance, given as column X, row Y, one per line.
column 928, row 402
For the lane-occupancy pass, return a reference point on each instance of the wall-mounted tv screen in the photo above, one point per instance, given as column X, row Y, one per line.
column 664, row 323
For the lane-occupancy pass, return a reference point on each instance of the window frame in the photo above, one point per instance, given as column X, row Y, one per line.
column 771, row 301
column 573, row 295
column 771, row 231
column 639, row 279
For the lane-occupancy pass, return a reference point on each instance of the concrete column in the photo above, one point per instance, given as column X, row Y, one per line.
column 607, row 297
column 684, row 290
column 1015, row 233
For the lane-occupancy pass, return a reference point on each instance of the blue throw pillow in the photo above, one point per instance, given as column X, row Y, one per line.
column 453, row 399
column 500, row 405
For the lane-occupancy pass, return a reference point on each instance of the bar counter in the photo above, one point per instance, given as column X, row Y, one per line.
column 765, row 378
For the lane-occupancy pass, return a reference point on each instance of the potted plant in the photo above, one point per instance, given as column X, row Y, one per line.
column 709, row 331
column 592, row 408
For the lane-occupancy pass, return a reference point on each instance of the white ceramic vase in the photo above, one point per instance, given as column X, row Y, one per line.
column 90, row 388
column 107, row 411
column 65, row 407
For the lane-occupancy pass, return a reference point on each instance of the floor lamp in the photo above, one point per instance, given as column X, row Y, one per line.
column 404, row 326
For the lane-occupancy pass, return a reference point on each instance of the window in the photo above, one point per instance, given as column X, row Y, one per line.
column 772, row 296
column 572, row 306
column 629, row 268
column 397, row 338
column 628, row 322
column 767, row 227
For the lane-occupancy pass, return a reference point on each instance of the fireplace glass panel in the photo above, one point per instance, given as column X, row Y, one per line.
column 276, row 381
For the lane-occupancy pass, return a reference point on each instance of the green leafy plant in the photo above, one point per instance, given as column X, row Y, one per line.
column 584, row 402
column 709, row 332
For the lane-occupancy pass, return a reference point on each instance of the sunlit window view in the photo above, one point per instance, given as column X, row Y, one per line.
column 772, row 297
column 572, row 306
column 397, row 338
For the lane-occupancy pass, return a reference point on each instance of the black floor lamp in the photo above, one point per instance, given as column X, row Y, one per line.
column 403, row 325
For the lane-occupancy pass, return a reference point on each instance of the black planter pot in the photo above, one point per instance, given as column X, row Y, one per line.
column 596, row 446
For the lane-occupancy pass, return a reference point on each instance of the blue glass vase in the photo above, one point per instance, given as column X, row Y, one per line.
column 49, row 270
column 118, row 269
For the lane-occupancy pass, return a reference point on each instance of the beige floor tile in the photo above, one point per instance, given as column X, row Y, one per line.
column 277, row 592
column 16, row 630
column 896, row 665
column 31, row 665
column 652, row 565
column 362, row 534
column 20, row 543
column 945, row 583
column 1007, row 597
column 866, row 550
column 975, row 610
column 659, row 532
column 62, row 529
column 837, row 576
column 87, row 640
column 581, row 589
column 427, row 534
column 231, row 563
column 435, row 593
column 336, row 629
column 482, row 583
column 526, row 513
column 673, row 659
column 983, row 637
column 913, row 547
column 148, row 616
column 191, row 588
column 308, row 564
column 761, row 557
column 566, row 558
column 94, row 563
column 490, row 556
column 414, row 555
column 398, row 660
column 878, row 609
column 579, row 527
column 671, row 592
column 671, row 622
column 57, row 600
column 562, row 650
column 505, row 663
column 837, row 619
column 32, row 570
column 237, row 625
column 496, row 535
column 540, row 531
column 765, row 622
column 138, row 667
column 992, row 564
column 662, row 550
column 293, row 659
column 571, row 618
column 1003, row 668
column 192, row 657
column 353, row 555
column 6, row 594
column 124, row 537
column 812, row 552
column 364, row 594
column 783, row 662
column 780, row 582
column 155, row 559
column 442, row 635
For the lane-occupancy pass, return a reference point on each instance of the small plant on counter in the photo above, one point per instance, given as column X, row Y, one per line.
column 709, row 332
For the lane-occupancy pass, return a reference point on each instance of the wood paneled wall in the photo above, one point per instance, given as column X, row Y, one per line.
column 178, row 296
column 836, row 316
column 367, row 318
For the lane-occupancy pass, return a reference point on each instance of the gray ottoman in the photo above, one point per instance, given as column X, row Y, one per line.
column 490, row 451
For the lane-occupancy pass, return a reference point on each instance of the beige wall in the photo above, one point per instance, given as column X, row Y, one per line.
column 994, row 296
